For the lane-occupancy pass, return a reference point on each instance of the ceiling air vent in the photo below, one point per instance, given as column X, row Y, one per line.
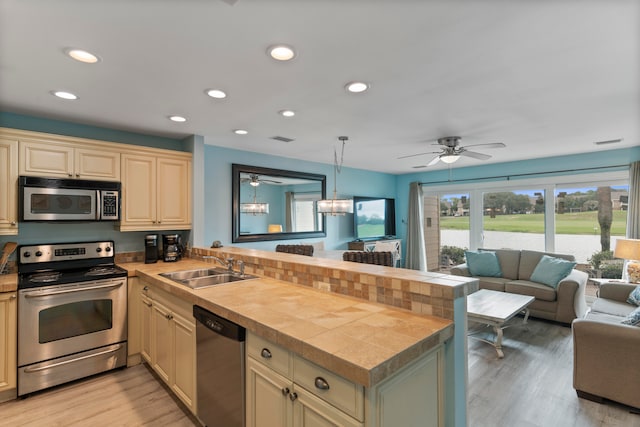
column 282, row 139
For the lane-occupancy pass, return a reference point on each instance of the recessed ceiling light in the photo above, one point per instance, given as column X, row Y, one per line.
column 64, row 95
column 216, row 93
column 178, row 119
column 281, row 52
column 240, row 132
column 357, row 87
column 82, row 56
column 287, row 113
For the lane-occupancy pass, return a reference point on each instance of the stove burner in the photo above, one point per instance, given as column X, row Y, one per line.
column 45, row 277
column 101, row 271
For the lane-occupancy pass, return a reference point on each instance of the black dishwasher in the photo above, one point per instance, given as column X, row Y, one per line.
column 220, row 370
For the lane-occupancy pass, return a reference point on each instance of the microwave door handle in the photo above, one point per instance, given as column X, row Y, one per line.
column 98, row 205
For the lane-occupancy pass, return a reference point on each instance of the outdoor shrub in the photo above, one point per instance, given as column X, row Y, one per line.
column 597, row 258
column 454, row 253
column 612, row 271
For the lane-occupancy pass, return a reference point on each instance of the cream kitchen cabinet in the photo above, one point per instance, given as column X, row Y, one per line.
column 8, row 345
column 279, row 391
column 168, row 341
column 68, row 160
column 8, row 186
column 285, row 389
column 156, row 192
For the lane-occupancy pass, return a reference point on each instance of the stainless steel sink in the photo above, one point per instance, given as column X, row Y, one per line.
column 202, row 278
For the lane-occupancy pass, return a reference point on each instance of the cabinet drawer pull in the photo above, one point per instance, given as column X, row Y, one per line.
column 321, row 383
column 169, row 316
column 293, row 396
column 13, row 296
column 265, row 353
column 285, row 391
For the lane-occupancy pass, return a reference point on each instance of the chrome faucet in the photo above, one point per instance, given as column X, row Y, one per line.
column 227, row 263
column 241, row 267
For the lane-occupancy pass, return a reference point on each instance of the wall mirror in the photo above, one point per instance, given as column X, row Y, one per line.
column 275, row 204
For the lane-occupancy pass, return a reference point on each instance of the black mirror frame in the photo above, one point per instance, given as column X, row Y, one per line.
column 236, row 237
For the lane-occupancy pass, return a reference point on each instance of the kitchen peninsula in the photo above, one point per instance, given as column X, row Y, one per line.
column 400, row 366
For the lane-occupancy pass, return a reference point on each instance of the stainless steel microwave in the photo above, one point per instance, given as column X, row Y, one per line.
column 52, row 199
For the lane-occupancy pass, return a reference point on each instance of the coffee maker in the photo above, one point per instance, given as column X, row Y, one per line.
column 171, row 247
column 150, row 248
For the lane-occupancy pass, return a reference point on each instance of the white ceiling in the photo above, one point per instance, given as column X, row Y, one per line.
column 544, row 77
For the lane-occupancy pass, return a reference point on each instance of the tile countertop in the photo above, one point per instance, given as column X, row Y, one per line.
column 362, row 341
column 8, row 282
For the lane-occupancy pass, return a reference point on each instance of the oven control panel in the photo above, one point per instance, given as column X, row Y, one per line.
column 31, row 254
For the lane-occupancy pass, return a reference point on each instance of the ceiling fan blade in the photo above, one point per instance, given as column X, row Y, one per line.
column 419, row 154
column 475, row 155
column 433, row 161
column 489, row 145
column 271, row 181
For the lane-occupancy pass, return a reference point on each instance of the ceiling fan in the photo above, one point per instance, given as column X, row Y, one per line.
column 452, row 150
column 255, row 180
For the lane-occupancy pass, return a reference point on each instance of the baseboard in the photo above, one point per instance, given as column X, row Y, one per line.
column 589, row 396
column 8, row 395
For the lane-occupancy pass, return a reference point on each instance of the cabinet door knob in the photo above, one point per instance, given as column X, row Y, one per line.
column 13, row 223
column 285, row 391
column 293, row 396
column 169, row 316
column 265, row 353
column 146, row 288
column 321, row 383
column 13, row 296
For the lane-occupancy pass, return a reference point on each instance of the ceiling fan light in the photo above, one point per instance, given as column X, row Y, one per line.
column 449, row 158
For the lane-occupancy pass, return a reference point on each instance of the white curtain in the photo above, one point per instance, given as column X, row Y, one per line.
column 289, row 219
column 633, row 214
column 416, row 250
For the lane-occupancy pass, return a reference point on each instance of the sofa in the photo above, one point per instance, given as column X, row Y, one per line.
column 605, row 351
column 561, row 303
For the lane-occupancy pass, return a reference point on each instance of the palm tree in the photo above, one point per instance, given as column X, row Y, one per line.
column 605, row 216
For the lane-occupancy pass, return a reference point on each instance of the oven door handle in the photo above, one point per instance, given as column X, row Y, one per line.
column 67, row 291
column 66, row 362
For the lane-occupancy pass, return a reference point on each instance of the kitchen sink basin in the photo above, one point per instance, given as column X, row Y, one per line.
column 202, row 278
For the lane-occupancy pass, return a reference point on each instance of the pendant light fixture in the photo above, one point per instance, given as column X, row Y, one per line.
column 254, row 208
column 336, row 206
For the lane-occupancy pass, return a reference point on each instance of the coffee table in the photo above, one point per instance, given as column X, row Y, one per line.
column 493, row 308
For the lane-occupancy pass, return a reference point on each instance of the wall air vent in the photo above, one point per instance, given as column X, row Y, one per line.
column 611, row 141
column 282, row 138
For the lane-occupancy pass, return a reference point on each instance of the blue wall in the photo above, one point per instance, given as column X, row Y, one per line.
column 212, row 183
column 217, row 208
column 586, row 163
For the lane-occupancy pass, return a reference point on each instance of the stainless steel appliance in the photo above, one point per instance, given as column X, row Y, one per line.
column 171, row 247
column 220, row 370
column 150, row 248
column 72, row 313
column 52, row 199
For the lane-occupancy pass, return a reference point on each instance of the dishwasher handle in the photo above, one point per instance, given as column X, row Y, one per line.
column 219, row 324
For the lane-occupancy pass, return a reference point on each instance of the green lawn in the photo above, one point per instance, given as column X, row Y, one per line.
column 569, row 223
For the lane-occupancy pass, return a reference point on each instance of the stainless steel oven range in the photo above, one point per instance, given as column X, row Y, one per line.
column 72, row 313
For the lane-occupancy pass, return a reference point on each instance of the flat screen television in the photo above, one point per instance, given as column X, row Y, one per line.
column 374, row 218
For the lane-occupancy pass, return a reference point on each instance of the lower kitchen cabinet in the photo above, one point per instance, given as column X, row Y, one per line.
column 8, row 345
column 275, row 395
column 284, row 389
column 168, row 341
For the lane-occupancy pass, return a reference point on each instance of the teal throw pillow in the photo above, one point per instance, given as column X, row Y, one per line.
column 550, row 270
column 634, row 296
column 633, row 318
column 483, row 264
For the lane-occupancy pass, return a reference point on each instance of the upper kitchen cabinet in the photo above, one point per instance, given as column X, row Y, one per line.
column 156, row 191
column 8, row 186
column 68, row 160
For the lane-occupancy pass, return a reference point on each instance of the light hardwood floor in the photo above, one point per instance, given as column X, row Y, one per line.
column 125, row 397
column 532, row 385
